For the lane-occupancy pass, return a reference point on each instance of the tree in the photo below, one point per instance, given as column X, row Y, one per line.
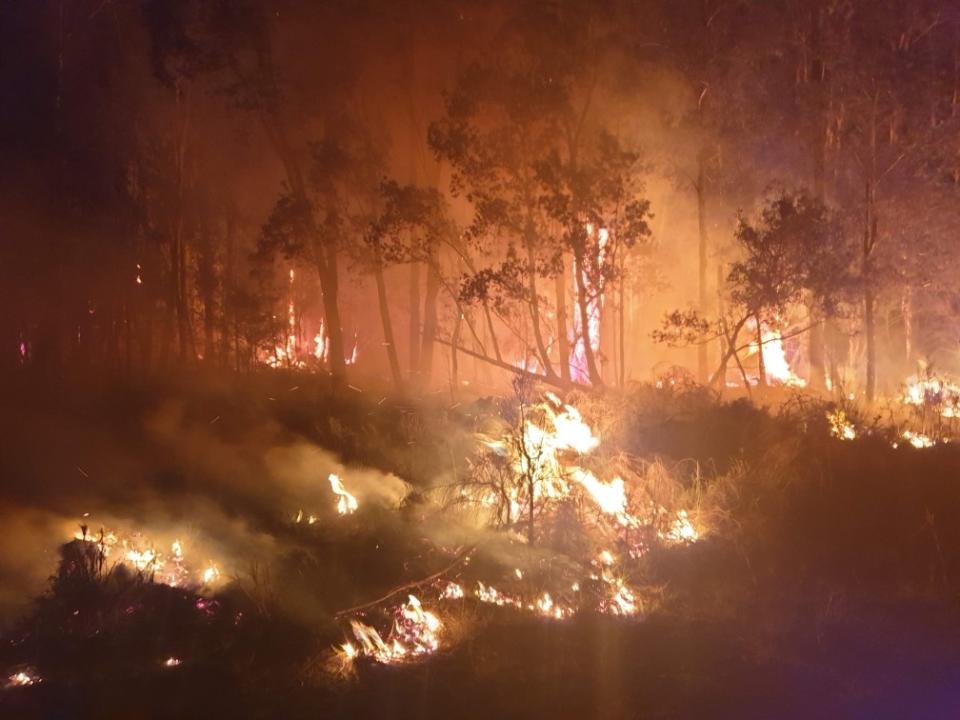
column 794, row 251
column 408, row 229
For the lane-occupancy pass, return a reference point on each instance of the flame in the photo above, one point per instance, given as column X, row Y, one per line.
column 578, row 359
column 143, row 556
column 681, row 530
column 346, row 503
column 840, row 426
column 623, row 601
column 415, row 632
column 452, row 591
column 321, row 345
column 933, row 392
column 172, row 662
column 489, row 594
column 918, row 440
column 23, row 678
column 546, row 456
column 610, row 497
column 776, row 366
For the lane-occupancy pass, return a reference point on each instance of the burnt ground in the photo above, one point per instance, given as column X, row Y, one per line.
column 827, row 586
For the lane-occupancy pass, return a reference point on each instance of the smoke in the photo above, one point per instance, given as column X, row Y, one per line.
column 228, row 491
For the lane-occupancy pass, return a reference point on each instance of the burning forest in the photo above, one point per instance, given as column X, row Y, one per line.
column 525, row 358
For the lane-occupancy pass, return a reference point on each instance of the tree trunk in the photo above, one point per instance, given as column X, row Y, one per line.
column 702, row 251
column 621, row 323
column 431, row 294
column 907, row 311
column 454, row 357
column 818, row 146
column 815, row 348
column 227, row 287
column 329, row 287
column 388, row 340
column 534, row 306
column 869, row 242
column 870, row 330
column 583, row 305
column 563, row 340
column 761, row 365
column 414, row 336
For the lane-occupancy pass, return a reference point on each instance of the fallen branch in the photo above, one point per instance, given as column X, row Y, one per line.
column 555, row 381
column 461, row 556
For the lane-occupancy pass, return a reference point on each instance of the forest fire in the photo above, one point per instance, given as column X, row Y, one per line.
column 516, row 358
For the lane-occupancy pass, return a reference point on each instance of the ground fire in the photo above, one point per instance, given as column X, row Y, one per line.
column 534, row 359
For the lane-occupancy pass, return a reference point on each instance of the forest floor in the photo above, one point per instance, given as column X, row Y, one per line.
column 824, row 583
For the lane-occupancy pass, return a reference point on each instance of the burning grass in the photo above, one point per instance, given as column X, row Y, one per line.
column 648, row 518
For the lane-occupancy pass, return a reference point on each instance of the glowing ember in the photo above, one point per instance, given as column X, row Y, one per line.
column 172, row 662
column 346, row 503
